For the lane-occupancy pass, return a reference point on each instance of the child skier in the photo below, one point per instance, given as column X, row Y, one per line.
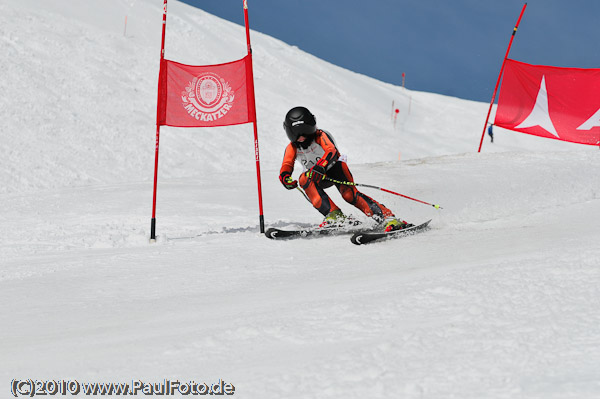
column 318, row 154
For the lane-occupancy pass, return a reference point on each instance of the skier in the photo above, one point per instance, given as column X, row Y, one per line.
column 317, row 152
column 491, row 132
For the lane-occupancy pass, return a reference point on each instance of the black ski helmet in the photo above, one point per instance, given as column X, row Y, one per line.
column 299, row 122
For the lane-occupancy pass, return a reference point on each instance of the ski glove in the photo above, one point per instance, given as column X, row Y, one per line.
column 286, row 179
column 317, row 172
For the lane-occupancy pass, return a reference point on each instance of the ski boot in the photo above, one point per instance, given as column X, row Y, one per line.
column 333, row 219
column 393, row 224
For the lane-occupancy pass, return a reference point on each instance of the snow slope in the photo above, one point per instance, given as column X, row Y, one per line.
column 499, row 299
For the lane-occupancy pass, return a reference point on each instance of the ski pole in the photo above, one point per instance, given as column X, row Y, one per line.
column 349, row 183
column 303, row 193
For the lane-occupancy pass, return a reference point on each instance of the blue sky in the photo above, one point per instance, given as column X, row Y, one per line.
column 452, row 47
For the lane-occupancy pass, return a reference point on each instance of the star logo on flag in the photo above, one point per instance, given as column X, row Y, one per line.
column 540, row 115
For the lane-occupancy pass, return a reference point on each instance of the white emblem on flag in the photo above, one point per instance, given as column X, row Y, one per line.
column 207, row 97
column 540, row 115
column 593, row 121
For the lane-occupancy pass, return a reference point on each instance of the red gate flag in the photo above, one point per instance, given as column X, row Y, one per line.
column 205, row 96
column 208, row 95
column 552, row 102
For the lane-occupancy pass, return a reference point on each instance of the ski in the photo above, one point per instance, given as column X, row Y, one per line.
column 365, row 237
column 286, row 234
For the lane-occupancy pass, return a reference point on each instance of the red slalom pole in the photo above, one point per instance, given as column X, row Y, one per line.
column 252, row 103
column 158, row 104
column 500, row 75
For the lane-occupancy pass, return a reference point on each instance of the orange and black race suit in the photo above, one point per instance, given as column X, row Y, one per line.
column 323, row 146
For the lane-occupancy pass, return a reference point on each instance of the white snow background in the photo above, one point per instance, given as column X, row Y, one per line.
column 499, row 299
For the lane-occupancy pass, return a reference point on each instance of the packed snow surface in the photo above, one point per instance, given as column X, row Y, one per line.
column 498, row 299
